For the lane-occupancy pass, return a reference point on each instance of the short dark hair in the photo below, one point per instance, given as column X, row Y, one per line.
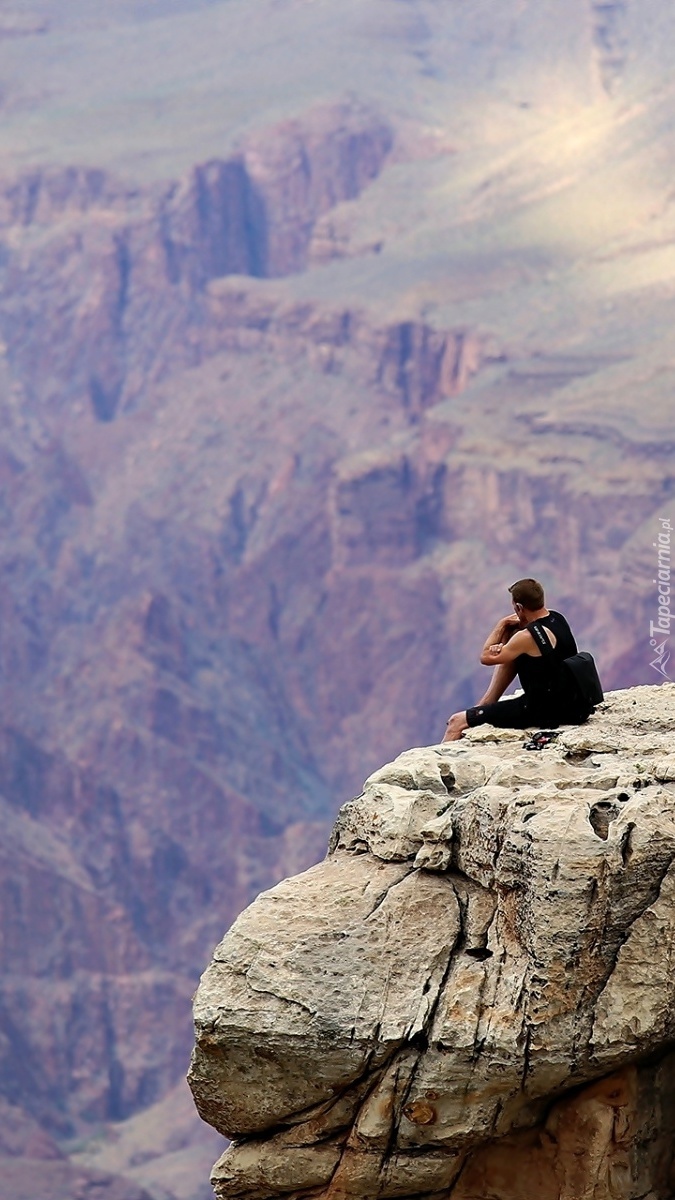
column 529, row 593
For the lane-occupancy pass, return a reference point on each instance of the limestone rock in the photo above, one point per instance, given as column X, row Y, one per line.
column 472, row 995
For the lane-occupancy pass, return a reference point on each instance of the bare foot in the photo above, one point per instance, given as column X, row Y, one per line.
column 455, row 727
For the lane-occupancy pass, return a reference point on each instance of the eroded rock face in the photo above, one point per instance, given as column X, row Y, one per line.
column 471, row 995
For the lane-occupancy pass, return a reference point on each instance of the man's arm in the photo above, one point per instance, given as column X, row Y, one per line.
column 506, row 652
column 501, row 633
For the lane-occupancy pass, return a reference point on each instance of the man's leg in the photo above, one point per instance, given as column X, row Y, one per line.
column 502, row 676
column 507, row 714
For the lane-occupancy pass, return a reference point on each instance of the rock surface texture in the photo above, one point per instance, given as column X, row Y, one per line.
column 472, row 996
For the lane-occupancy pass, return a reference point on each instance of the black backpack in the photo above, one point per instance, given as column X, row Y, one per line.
column 581, row 673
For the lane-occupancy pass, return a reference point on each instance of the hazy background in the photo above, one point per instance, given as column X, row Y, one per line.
column 322, row 321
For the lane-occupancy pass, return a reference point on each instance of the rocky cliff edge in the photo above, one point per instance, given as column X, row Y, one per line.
column 472, row 996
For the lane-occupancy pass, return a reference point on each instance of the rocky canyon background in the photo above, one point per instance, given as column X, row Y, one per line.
column 322, row 321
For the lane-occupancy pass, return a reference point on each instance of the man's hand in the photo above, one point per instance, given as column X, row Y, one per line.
column 509, row 626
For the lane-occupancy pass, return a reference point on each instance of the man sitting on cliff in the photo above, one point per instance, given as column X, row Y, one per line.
column 548, row 698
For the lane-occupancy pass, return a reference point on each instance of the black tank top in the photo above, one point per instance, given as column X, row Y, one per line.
column 540, row 677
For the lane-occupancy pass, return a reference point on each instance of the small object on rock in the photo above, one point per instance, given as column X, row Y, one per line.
column 543, row 738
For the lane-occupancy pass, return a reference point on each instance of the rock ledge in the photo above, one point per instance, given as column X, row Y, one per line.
column 472, row 996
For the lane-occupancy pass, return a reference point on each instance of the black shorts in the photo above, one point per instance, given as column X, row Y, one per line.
column 521, row 713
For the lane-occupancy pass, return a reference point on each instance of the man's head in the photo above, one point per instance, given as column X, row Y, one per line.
column 527, row 596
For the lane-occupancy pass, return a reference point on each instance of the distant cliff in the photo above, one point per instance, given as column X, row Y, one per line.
column 472, row 994
column 102, row 285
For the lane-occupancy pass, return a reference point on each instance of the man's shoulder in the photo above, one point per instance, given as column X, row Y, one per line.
column 523, row 639
column 541, row 630
column 521, row 636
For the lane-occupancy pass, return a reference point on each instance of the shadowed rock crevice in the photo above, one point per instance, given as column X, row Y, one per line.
column 490, row 999
column 601, row 816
